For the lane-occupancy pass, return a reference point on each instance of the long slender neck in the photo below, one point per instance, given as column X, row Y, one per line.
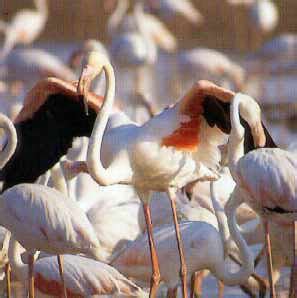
column 220, row 215
column 97, row 171
column 247, row 268
column 117, row 16
column 236, row 139
column 11, row 145
column 41, row 6
column 15, row 260
column 58, row 179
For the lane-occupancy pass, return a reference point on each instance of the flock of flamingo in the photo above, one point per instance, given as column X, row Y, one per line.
column 104, row 196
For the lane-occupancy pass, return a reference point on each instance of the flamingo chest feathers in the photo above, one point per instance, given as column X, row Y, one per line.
column 186, row 136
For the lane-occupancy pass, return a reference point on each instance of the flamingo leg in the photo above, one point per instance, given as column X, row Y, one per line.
column 172, row 293
column 31, row 276
column 293, row 282
column 155, row 280
column 269, row 259
column 221, row 287
column 196, row 284
column 61, row 270
column 183, row 271
column 8, row 279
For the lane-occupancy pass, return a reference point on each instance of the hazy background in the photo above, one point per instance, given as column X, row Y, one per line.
column 224, row 28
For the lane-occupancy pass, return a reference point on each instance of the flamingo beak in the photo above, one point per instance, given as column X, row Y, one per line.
column 84, row 83
column 258, row 135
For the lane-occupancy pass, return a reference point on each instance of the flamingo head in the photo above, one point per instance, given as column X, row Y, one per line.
column 92, row 66
column 250, row 111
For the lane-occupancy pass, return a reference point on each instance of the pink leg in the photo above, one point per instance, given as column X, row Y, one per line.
column 172, row 293
column 221, row 287
column 155, row 280
column 8, row 279
column 293, row 283
column 31, row 276
column 269, row 259
column 61, row 270
column 183, row 265
column 196, row 284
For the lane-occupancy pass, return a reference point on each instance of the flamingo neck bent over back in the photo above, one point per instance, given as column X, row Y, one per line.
column 246, row 107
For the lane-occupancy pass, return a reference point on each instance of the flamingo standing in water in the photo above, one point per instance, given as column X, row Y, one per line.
column 83, row 276
column 265, row 178
column 25, row 27
column 159, row 155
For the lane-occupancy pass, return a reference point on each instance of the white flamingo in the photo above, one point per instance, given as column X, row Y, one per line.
column 135, row 41
column 24, row 27
column 265, row 177
column 31, row 65
column 201, row 252
column 207, row 63
column 83, row 276
column 264, row 16
column 155, row 156
column 32, row 213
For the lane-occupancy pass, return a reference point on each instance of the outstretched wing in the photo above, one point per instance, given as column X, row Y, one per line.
column 52, row 116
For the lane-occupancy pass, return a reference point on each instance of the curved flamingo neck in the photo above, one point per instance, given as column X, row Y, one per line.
column 247, row 267
column 236, row 139
column 11, row 145
column 221, row 217
column 97, row 171
column 58, row 179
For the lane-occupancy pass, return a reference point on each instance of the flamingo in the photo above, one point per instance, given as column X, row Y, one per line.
column 264, row 16
column 50, row 103
column 155, row 156
column 170, row 8
column 135, row 42
column 265, row 177
column 83, row 276
column 282, row 47
column 32, row 65
column 199, row 194
column 88, row 45
column 24, row 27
column 209, row 63
column 203, row 250
column 41, row 218
column 43, row 229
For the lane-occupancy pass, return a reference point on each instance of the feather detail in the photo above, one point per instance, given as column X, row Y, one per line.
column 38, row 95
column 186, row 136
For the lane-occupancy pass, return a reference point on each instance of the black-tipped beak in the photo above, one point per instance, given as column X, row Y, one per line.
column 84, row 83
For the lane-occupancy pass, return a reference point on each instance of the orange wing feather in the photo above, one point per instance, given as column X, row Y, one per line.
column 186, row 137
